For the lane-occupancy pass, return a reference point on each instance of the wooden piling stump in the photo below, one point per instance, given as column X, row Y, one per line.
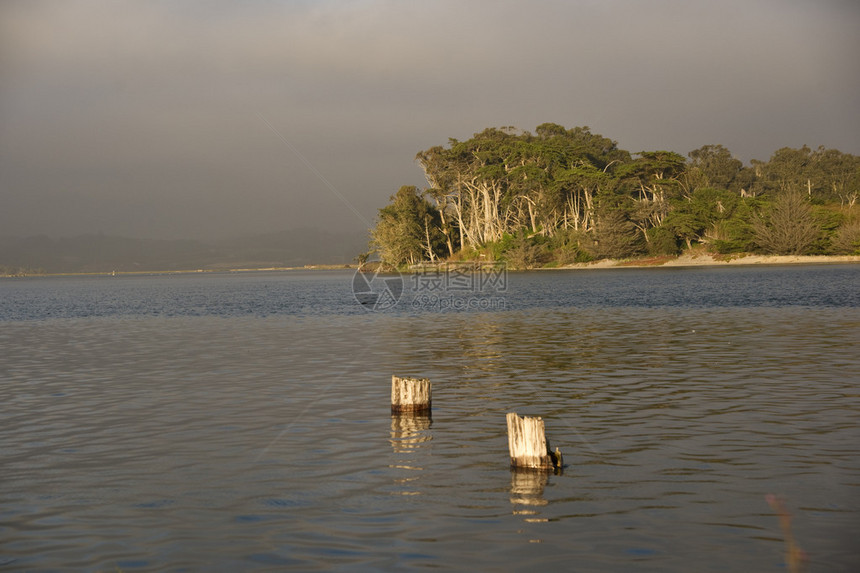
column 410, row 395
column 528, row 445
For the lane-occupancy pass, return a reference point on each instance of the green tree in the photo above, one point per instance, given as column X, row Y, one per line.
column 789, row 228
column 502, row 180
column 840, row 173
column 408, row 229
column 653, row 179
column 699, row 216
column 716, row 165
column 847, row 239
column 522, row 252
column 577, row 191
column 789, row 171
column 615, row 236
column 440, row 176
column 685, row 225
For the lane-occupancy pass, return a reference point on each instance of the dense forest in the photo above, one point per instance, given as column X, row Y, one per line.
column 561, row 196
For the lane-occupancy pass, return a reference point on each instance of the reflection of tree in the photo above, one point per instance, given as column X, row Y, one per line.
column 527, row 487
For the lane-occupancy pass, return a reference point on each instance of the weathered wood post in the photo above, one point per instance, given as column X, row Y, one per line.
column 410, row 395
column 528, row 445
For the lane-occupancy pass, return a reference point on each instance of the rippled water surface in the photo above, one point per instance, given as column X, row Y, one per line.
column 242, row 422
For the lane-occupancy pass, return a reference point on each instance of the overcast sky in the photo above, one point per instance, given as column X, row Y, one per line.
column 184, row 119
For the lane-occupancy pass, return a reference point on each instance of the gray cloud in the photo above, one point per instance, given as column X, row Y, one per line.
column 143, row 118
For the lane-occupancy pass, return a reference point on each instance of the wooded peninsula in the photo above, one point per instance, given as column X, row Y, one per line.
column 563, row 196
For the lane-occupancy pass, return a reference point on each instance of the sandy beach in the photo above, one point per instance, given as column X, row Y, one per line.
column 707, row 259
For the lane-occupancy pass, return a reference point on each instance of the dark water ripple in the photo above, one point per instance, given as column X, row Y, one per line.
column 263, row 441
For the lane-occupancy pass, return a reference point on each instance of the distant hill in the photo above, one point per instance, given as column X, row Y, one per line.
column 105, row 253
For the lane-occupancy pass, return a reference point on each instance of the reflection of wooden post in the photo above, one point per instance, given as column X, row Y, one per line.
column 528, row 446
column 527, row 488
column 410, row 395
column 409, row 431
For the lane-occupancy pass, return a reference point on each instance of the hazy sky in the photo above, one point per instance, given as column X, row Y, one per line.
column 184, row 119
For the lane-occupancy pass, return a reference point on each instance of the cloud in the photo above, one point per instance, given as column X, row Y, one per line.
column 143, row 117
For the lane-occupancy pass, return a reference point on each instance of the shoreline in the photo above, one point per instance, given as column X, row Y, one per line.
column 708, row 260
column 680, row 261
column 184, row 271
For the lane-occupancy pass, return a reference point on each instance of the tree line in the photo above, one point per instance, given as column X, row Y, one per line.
column 560, row 196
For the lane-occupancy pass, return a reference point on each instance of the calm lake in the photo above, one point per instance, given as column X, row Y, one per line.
column 241, row 422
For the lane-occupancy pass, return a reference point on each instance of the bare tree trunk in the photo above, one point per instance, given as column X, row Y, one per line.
column 588, row 218
column 446, row 231
column 532, row 216
column 427, row 236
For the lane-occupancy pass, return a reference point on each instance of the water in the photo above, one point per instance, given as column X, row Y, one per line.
column 241, row 422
